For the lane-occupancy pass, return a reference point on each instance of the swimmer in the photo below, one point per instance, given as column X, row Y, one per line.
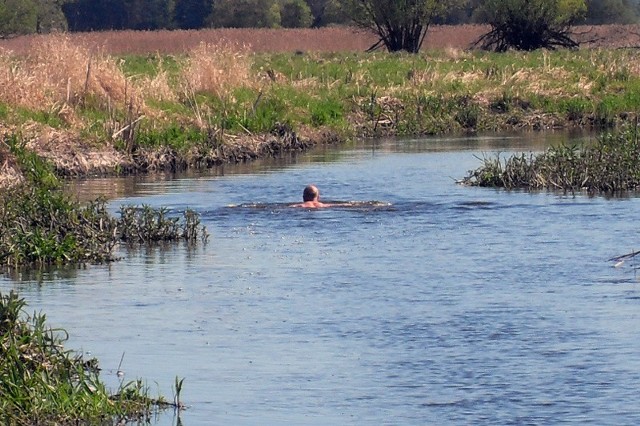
column 311, row 198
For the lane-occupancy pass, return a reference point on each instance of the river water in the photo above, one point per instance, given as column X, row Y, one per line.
column 434, row 304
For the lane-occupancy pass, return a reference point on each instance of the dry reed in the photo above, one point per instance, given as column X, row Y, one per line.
column 59, row 74
column 333, row 39
column 158, row 87
column 217, row 69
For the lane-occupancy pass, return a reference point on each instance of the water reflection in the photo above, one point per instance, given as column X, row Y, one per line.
column 30, row 276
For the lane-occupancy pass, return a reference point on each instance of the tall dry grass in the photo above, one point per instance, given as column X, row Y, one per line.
column 217, row 69
column 59, row 74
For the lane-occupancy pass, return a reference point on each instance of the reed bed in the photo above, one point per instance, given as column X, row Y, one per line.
column 610, row 165
column 337, row 39
column 330, row 39
column 57, row 74
column 217, row 69
column 43, row 383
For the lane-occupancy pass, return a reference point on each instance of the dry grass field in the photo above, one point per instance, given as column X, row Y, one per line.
column 335, row 39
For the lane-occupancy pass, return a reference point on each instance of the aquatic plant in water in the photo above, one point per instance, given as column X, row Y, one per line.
column 147, row 225
column 611, row 164
column 41, row 227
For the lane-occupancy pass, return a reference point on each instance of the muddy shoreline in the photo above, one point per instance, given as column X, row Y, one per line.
column 72, row 158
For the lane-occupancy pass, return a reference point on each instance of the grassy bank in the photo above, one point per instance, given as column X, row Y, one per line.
column 91, row 113
column 43, row 383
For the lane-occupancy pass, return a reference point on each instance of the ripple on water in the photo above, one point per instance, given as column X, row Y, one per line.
column 439, row 304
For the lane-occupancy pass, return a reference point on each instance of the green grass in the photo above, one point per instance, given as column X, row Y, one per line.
column 41, row 382
column 150, row 65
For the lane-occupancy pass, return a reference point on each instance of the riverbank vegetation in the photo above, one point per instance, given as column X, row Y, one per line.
column 41, row 226
column 41, row 382
column 89, row 112
column 609, row 165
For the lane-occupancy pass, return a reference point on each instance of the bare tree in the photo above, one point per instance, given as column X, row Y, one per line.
column 400, row 24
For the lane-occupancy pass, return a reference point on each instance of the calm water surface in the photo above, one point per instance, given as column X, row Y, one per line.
column 452, row 305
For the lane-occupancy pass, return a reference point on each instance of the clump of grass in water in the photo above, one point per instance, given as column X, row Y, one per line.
column 147, row 225
column 42, row 383
column 40, row 226
column 611, row 164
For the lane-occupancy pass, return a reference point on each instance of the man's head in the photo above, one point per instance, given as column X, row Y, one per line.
column 310, row 193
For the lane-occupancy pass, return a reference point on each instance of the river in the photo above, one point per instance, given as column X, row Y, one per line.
column 427, row 303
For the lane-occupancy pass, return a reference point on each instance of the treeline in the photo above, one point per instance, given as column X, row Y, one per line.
column 599, row 12
column 42, row 16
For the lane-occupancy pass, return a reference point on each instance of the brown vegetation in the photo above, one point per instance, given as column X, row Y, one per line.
column 57, row 73
column 217, row 69
column 332, row 39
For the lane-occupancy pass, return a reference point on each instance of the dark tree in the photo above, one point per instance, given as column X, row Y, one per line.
column 530, row 24
column 611, row 12
column 326, row 12
column 149, row 14
column 402, row 25
column 295, row 14
column 245, row 14
column 49, row 16
column 17, row 17
column 192, row 14
column 90, row 15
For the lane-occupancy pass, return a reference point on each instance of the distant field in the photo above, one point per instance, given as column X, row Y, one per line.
column 337, row 39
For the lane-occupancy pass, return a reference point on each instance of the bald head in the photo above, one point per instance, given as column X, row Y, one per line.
column 310, row 193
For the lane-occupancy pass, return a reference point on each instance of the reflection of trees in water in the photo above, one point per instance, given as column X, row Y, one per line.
column 37, row 276
column 160, row 254
column 143, row 185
